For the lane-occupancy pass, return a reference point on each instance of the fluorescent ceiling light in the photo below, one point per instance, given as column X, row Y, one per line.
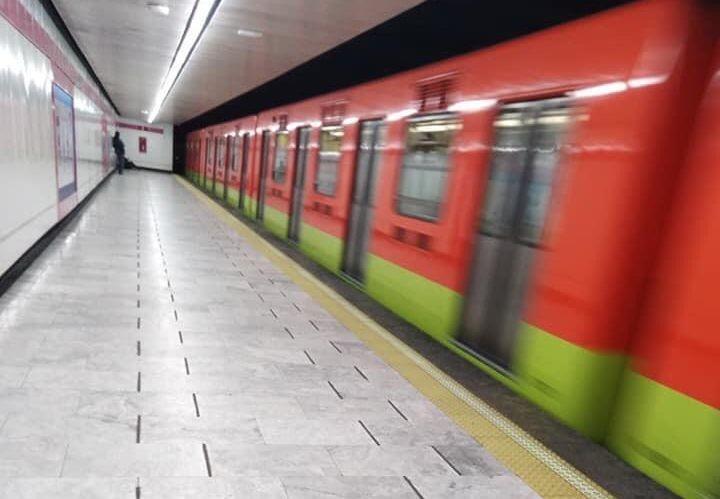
column 159, row 8
column 144, row 111
column 249, row 33
column 199, row 19
column 350, row 120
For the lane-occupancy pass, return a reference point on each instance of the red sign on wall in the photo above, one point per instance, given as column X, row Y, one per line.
column 142, row 144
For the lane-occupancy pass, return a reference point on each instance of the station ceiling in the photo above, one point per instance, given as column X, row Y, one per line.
column 130, row 47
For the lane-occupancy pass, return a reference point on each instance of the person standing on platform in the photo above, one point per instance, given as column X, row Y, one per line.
column 119, row 147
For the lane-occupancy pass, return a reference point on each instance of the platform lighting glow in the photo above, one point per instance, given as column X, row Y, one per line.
column 398, row 115
column 159, row 8
column 469, row 106
column 316, row 124
column 350, row 120
column 598, row 90
column 200, row 18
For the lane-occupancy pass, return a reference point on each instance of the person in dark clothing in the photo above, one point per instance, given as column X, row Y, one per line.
column 119, row 147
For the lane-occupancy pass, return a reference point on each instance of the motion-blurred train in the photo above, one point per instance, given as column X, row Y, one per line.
column 548, row 208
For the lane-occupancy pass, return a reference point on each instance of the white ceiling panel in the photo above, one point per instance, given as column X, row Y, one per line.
column 130, row 47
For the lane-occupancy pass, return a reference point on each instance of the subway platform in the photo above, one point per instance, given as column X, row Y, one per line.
column 159, row 348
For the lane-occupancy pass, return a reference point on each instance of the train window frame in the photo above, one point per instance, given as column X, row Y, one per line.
column 336, row 164
column 279, row 176
column 450, row 117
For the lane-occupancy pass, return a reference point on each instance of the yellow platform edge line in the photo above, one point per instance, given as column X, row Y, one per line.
column 539, row 467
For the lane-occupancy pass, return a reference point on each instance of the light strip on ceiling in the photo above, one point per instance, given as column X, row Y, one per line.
column 200, row 18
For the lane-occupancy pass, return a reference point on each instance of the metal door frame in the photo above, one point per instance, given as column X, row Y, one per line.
column 244, row 148
column 508, row 260
column 378, row 123
column 214, row 162
column 298, row 182
column 229, row 161
column 264, row 156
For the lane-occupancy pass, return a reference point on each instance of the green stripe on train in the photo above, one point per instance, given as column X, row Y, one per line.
column 575, row 384
column 668, row 435
column 233, row 197
column 424, row 303
column 276, row 221
column 250, row 206
column 321, row 247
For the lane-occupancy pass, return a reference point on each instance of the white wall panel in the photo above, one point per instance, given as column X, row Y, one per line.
column 28, row 190
column 89, row 137
column 29, row 204
column 159, row 145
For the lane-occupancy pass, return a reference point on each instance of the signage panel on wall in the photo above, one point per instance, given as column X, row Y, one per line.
column 142, row 144
column 64, row 143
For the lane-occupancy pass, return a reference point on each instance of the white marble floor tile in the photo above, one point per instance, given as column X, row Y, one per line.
column 151, row 346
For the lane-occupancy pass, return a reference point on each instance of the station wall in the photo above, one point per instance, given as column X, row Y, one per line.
column 157, row 140
column 54, row 128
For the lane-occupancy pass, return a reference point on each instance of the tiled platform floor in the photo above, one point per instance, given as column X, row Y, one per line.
column 150, row 347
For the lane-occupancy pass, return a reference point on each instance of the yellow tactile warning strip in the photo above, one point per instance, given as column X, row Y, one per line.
column 535, row 464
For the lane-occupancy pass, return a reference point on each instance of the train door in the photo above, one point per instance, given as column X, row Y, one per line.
column 230, row 163
column 214, row 160
column 361, row 209
column 264, row 155
column 208, row 160
column 220, row 165
column 243, row 169
column 525, row 154
column 298, row 184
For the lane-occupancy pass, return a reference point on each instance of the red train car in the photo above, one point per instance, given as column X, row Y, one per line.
column 509, row 202
column 667, row 417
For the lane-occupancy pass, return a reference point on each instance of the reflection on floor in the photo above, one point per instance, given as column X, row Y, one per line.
column 151, row 351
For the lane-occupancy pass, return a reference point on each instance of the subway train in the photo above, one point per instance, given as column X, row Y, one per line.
column 548, row 208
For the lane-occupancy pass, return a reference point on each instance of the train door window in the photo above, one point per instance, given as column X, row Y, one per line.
column 279, row 170
column 550, row 129
column 525, row 155
column 425, row 165
column 233, row 154
column 328, row 160
column 367, row 163
column 264, row 155
column 243, row 168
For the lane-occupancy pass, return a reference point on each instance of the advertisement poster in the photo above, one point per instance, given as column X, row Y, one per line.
column 64, row 145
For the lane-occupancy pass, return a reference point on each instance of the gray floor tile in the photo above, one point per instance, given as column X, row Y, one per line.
column 239, row 373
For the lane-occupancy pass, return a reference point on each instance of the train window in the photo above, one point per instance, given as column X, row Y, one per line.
column 425, row 165
column 329, row 157
column 279, row 169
